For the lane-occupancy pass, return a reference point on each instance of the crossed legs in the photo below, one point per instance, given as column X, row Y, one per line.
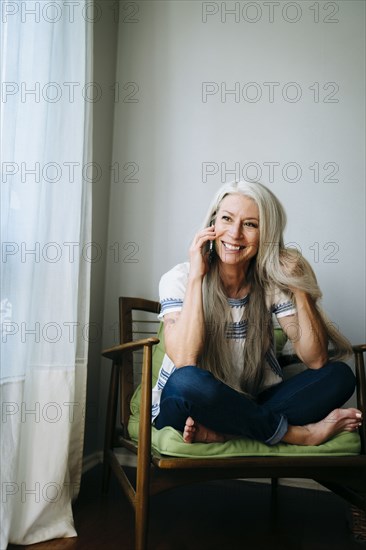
column 304, row 410
column 315, row 433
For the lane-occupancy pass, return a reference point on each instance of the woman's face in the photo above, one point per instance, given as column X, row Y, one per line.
column 237, row 229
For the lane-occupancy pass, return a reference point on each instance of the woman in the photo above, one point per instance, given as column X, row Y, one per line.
column 220, row 378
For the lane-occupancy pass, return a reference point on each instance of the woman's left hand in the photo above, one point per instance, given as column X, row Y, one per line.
column 292, row 264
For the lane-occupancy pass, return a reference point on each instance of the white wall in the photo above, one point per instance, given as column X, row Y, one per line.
column 166, row 51
column 104, row 68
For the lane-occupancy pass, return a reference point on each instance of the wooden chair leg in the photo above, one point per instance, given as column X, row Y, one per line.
column 143, row 456
column 358, row 524
column 141, row 521
column 110, row 425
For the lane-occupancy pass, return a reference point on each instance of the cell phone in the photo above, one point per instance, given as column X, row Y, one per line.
column 211, row 249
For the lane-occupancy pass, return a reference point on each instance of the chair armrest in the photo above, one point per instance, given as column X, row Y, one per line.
column 144, row 446
column 359, row 348
column 117, row 352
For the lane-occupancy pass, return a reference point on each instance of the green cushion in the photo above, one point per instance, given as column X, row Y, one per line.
column 157, row 357
column 280, row 339
column 170, row 442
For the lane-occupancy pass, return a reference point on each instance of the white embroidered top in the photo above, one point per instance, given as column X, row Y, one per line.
column 172, row 290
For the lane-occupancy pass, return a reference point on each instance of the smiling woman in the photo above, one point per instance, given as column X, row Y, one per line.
column 237, row 234
column 220, row 378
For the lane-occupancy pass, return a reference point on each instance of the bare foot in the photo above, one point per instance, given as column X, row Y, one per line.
column 337, row 421
column 197, row 433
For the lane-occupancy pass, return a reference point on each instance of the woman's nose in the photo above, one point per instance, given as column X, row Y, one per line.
column 236, row 230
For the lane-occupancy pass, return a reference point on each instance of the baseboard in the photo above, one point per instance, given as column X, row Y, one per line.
column 124, row 457
column 127, row 459
column 291, row 482
column 92, row 460
column 302, row 484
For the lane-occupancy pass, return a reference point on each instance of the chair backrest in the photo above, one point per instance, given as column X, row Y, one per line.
column 137, row 320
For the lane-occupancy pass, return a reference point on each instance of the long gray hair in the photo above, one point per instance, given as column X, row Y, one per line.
column 266, row 270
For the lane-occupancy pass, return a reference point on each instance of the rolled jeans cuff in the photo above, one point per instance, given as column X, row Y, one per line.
column 279, row 433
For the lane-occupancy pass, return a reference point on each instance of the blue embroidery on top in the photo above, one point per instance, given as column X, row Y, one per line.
column 169, row 303
column 238, row 302
column 273, row 363
column 281, row 308
column 237, row 331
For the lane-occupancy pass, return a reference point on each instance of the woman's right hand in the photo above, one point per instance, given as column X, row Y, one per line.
column 198, row 253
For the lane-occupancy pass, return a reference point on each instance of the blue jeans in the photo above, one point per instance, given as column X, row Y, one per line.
column 306, row 397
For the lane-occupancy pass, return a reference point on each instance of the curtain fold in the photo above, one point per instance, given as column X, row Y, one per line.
column 46, row 128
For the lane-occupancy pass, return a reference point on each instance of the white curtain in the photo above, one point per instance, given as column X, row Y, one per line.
column 46, row 256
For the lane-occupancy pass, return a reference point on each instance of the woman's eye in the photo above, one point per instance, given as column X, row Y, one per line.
column 226, row 218
column 250, row 224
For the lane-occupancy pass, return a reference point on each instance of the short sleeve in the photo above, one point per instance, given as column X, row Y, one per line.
column 172, row 289
column 280, row 304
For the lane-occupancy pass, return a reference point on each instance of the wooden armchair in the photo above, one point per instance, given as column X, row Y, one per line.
column 344, row 475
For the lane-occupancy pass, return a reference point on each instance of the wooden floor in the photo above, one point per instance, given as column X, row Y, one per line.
column 230, row 515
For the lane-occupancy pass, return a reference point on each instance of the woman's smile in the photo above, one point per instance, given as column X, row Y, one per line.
column 232, row 247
